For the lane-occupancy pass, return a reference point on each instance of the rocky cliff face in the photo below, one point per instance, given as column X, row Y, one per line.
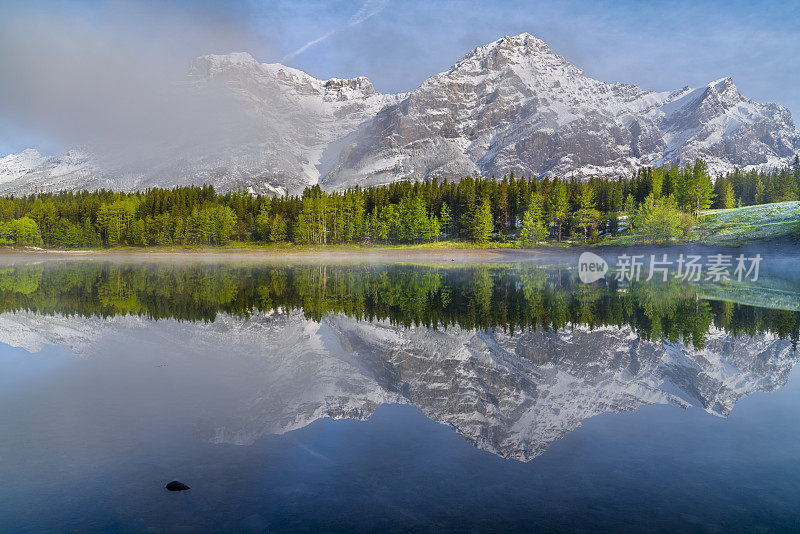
column 510, row 395
column 512, row 105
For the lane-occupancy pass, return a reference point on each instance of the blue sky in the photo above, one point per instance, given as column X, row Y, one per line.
column 397, row 44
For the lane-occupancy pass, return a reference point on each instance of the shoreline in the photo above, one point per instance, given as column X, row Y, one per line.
column 316, row 255
column 355, row 254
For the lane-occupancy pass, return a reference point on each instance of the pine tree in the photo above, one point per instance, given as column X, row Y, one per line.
column 587, row 215
column 502, row 204
column 559, row 205
column 617, row 197
column 728, row 198
column 725, row 196
column 702, row 189
column 760, row 194
column 264, row 220
column 656, row 182
column 482, row 223
column 630, row 213
column 445, row 219
column 683, row 184
column 783, row 187
column 796, row 171
column 533, row 230
column 278, row 230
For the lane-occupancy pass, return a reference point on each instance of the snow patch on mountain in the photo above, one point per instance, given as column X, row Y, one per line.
column 15, row 166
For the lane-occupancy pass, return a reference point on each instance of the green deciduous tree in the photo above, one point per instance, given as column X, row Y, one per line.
column 657, row 220
column 559, row 205
column 23, row 231
column 586, row 216
column 115, row 219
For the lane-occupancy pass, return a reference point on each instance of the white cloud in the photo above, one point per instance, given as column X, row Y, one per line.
column 308, row 45
column 367, row 10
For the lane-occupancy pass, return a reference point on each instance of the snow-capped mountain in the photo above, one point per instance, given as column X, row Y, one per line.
column 514, row 105
column 29, row 172
column 511, row 105
column 510, row 395
column 17, row 165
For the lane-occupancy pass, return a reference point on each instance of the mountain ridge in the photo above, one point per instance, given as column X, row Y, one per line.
column 512, row 105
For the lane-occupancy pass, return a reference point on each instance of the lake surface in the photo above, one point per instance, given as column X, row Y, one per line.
column 396, row 397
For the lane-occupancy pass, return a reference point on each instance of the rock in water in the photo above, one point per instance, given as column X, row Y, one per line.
column 177, row 486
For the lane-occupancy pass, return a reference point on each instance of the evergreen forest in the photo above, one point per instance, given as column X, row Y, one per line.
column 658, row 204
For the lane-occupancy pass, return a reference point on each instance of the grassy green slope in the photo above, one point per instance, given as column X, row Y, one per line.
column 738, row 226
column 752, row 223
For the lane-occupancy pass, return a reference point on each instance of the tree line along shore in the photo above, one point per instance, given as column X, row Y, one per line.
column 657, row 205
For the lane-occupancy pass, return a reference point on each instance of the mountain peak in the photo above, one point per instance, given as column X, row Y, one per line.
column 212, row 64
column 522, row 39
column 724, row 86
column 721, row 83
column 523, row 44
column 530, row 52
column 724, row 91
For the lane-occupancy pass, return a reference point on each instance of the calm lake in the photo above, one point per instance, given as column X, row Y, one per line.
column 396, row 397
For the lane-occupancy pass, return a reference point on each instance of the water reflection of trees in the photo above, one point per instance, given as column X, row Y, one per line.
column 508, row 297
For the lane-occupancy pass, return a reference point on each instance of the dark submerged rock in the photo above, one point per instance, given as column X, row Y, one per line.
column 177, row 486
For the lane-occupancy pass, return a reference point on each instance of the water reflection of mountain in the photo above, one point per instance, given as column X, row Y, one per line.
column 511, row 395
column 509, row 298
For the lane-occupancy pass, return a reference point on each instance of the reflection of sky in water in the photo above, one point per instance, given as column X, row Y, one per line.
column 104, row 411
